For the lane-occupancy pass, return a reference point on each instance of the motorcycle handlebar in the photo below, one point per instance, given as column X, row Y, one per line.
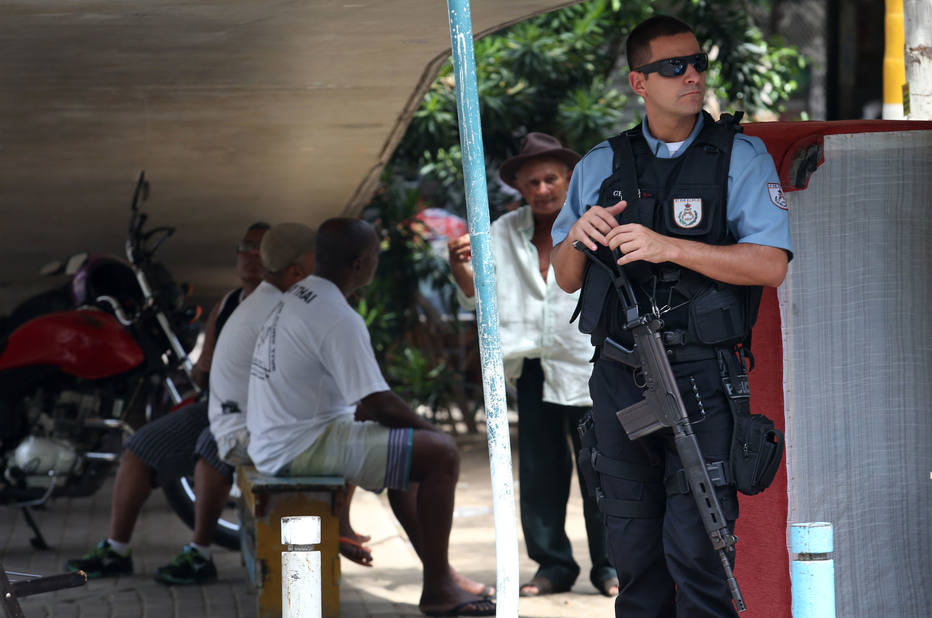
column 118, row 312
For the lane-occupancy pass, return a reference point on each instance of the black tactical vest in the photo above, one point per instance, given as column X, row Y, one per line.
column 685, row 197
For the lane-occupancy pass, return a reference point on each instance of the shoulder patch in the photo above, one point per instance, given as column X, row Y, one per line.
column 776, row 195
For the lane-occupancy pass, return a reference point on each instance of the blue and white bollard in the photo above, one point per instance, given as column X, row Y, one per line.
column 813, row 570
column 301, row 597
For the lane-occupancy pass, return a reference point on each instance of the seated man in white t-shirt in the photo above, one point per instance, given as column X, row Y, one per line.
column 312, row 366
column 287, row 254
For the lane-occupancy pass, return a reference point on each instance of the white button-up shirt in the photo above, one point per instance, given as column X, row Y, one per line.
column 534, row 314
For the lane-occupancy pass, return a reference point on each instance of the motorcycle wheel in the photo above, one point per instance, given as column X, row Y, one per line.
column 180, row 496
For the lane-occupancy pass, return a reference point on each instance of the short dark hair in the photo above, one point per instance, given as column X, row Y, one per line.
column 340, row 241
column 637, row 47
column 258, row 225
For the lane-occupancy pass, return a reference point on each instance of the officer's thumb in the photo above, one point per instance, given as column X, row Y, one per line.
column 617, row 208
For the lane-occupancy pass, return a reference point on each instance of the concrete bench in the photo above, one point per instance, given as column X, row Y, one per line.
column 266, row 499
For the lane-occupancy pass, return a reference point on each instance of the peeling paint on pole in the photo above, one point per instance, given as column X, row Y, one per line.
column 301, row 576
column 490, row 351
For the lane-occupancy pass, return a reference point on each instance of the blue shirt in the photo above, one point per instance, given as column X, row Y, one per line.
column 757, row 209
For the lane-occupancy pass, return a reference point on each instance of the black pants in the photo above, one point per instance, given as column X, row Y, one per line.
column 545, row 469
column 666, row 565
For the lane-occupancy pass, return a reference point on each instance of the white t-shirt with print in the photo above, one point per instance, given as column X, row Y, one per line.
column 229, row 369
column 312, row 363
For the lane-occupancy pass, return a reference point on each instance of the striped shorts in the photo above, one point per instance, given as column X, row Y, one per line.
column 170, row 444
column 365, row 453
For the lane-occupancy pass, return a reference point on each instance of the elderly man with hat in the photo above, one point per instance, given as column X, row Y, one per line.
column 548, row 357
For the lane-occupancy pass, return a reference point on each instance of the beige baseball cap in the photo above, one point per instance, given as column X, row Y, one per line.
column 284, row 243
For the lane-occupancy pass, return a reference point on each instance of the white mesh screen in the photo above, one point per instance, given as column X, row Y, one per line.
column 857, row 314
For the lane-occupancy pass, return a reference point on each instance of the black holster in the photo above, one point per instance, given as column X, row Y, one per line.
column 756, row 444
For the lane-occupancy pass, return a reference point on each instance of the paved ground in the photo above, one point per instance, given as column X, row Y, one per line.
column 390, row 588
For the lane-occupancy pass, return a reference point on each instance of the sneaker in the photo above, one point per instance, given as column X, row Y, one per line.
column 188, row 567
column 102, row 561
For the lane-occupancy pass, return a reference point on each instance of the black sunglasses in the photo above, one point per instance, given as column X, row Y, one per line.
column 674, row 67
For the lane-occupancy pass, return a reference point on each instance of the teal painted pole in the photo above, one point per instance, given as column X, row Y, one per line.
column 490, row 349
column 813, row 570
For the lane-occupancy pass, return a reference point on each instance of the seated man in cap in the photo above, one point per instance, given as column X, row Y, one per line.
column 548, row 357
column 312, row 367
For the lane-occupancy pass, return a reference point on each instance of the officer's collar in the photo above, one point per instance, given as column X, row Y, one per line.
column 659, row 148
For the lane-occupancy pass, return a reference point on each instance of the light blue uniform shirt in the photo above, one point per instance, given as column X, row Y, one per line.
column 757, row 210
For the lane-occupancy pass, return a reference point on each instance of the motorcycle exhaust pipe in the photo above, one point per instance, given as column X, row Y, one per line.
column 108, row 457
column 109, row 423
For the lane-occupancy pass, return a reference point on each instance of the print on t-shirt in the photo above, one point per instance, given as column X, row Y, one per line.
column 263, row 357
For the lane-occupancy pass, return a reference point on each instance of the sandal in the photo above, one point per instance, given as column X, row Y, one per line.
column 355, row 551
column 606, row 585
column 543, row 585
column 476, row 607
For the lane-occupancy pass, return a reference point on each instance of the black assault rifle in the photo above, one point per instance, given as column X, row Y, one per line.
column 662, row 407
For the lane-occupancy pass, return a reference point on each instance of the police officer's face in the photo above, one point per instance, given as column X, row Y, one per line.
column 543, row 183
column 671, row 96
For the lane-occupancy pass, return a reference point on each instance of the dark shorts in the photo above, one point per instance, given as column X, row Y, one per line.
column 170, row 444
column 206, row 449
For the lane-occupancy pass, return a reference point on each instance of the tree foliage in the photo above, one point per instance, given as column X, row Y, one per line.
column 564, row 73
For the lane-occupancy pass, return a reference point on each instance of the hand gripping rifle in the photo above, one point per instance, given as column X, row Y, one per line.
column 662, row 407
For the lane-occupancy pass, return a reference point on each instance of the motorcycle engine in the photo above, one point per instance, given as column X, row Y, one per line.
column 61, row 416
column 51, row 450
column 36, row 457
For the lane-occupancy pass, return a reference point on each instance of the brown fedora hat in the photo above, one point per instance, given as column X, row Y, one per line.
column 536, row 145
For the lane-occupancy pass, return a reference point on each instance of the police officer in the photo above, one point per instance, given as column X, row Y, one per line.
column 694, row 211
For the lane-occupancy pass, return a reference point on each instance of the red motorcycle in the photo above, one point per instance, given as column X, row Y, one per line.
column 98, row 357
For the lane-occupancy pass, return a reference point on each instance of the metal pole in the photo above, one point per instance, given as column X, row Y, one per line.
column 301, row 597
column 813, row 570
column 894, row 67
column 490, row 351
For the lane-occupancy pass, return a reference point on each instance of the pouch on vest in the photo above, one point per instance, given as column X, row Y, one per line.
column 597, row 308
column 596, row 286
column 756, row 451
column 718, row 315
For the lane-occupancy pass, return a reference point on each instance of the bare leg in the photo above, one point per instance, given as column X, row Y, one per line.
column 211, row 490
column 404, row 505
column 351, row 544
column 346, row 529
column 130, row 491
column 435, row 466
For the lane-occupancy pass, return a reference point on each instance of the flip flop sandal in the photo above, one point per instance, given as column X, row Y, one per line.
column 356, row 552
column 476, row 607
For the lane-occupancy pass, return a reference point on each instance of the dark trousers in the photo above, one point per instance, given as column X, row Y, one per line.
column 666, row 565
column 545, row 469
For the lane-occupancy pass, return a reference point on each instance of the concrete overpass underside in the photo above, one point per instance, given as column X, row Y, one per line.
column 237, row 110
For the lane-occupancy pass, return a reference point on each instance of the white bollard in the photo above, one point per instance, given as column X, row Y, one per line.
column 813, row 570
column 301, row 567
